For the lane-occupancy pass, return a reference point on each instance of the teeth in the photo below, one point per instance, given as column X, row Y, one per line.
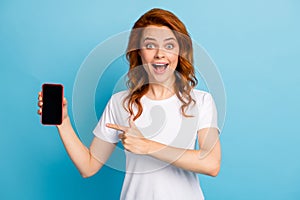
column 160, row 65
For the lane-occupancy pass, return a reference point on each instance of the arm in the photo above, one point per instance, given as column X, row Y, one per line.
column 206, row 160
column 81, row 156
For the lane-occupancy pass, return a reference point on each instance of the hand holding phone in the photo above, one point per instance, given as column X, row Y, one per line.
column 52, row 104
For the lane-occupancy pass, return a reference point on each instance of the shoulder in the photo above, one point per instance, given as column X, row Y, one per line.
column 201, row 96
column 200, row 92
column 119, row 96
column 116, row 100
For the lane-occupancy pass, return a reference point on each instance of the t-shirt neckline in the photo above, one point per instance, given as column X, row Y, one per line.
column 160, row 100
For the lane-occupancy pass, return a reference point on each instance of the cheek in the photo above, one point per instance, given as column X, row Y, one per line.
column 174, row 59
column 146, row 56
column 145, row 60
column 173, row 55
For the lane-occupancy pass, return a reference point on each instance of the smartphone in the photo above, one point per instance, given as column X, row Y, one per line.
column 52, row 112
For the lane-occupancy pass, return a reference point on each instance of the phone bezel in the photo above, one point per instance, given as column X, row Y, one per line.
column 62, row 96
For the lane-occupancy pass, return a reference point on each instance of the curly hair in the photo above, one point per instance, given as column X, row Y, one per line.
column 138, row 83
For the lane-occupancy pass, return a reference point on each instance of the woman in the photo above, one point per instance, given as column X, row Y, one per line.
column 158, row 118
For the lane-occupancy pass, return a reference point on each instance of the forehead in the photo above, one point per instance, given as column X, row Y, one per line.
column 158, row 32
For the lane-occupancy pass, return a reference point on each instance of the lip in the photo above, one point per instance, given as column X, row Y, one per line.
column 160, row 67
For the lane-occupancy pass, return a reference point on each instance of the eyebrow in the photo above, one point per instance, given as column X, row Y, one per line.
column 153, row 39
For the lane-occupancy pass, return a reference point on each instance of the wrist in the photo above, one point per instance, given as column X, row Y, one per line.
column 151, row 147
column 66, row 122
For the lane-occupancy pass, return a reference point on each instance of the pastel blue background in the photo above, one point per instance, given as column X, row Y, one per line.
column 255, row 45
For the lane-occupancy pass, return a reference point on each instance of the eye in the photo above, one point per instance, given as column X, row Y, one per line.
column 150, row 46
column 170, row 46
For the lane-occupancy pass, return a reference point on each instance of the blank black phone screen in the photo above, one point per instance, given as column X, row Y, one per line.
column 52, row 104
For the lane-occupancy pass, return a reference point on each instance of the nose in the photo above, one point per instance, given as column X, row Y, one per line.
column 159, row 53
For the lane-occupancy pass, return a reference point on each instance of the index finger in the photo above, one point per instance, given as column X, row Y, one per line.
column 116, row 127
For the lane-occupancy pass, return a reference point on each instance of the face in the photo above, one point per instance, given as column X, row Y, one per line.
column 159, row 53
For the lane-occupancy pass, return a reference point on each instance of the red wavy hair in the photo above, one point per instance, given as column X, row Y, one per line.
column 138, row 83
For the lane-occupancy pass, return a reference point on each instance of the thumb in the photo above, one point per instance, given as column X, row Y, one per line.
column 65, row 102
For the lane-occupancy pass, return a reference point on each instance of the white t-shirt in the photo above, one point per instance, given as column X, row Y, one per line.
column 161, row 120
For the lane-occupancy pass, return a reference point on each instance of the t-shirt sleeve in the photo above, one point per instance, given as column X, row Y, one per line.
column 103, row 132
column 208, row 116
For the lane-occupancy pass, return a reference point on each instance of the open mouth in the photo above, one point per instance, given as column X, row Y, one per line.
column 160, row 67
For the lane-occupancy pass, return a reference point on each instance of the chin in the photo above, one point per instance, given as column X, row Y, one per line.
column 160, row 79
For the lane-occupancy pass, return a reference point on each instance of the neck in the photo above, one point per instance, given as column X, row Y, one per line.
column 159, row 91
